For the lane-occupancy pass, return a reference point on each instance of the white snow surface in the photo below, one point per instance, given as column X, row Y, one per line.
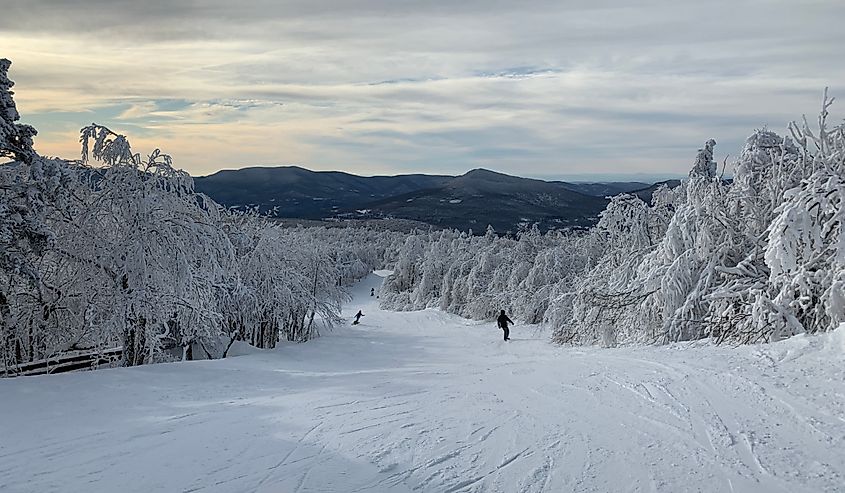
column 425, row 401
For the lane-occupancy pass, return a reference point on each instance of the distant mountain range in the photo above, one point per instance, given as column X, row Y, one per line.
column 470, row 201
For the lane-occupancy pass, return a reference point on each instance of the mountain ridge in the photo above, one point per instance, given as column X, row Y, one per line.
column 469, row 201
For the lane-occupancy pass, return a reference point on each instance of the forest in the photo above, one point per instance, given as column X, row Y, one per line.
column 117, row 249
column 757, row 257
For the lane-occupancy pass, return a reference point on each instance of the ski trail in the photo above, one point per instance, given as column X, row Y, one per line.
column 424, row 401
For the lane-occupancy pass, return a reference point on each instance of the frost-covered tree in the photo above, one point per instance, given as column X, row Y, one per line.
column 163, row 242
column 31, row 190
column 704, row 166
column 767, row 166
column 15, row 138
column 806, row 249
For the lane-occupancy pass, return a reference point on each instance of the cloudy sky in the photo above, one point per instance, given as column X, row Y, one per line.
column 545, row 88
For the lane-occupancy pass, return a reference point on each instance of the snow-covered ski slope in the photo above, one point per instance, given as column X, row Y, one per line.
column 425, row 401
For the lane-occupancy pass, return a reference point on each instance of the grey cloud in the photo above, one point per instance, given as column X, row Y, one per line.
column 535, row 84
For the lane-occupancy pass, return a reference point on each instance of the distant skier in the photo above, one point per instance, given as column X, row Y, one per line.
column 357, row 317
column 372, row 291
column 503, row 322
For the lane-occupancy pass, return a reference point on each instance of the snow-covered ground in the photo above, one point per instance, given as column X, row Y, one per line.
column 424, row 401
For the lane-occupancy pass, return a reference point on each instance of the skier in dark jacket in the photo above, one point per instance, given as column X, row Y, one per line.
column 503, row 322
column 357, row 317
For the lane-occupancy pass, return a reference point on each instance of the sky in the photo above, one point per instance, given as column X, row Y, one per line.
column 545, row 88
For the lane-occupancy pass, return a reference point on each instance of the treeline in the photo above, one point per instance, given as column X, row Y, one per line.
column 118, row 250
column 755, row 258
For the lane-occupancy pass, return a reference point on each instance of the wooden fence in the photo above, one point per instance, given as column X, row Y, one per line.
column 78, row 360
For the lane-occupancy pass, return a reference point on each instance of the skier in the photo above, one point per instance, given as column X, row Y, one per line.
column 503, row 321
column 372, row 291
column 357, row 317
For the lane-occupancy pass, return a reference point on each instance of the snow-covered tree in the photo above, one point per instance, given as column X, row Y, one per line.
column 31, row 190
column 805, row 253
column 15, row 138
column 163, row 243
column 704, row 166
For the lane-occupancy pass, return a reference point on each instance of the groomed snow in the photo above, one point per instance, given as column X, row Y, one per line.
column 425, row 401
